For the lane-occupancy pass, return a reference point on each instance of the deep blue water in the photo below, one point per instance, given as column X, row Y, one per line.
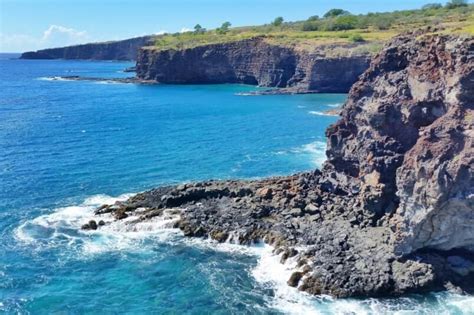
column 67, row 146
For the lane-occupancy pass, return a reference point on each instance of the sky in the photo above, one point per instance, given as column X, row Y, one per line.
column 35, row 24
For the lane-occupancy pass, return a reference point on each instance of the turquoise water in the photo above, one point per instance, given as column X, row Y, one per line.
column 66, row 147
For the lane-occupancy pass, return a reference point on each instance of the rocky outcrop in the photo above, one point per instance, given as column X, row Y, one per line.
column 255, row 61
column 115, row 50
column 391, row 211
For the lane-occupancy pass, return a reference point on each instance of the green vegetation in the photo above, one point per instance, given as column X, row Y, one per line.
column 224, row 28
column 335, row 12
column 278, row 21
column 432, row 6
column 356, row 38
column 198, row 29
column 456, row 4
column 337, row 26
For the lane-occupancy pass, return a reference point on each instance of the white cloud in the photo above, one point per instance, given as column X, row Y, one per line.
column 54, row 36
column 58, row 32
column 162, row 32
column 185, row 30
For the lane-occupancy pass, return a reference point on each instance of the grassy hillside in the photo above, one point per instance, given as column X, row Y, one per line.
column 335, row 27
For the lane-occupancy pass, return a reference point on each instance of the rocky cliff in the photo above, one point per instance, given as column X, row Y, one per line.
column 392, row 210
column 255, row 61
column 115, row 50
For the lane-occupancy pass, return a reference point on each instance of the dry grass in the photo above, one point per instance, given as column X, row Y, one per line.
column 457, row 21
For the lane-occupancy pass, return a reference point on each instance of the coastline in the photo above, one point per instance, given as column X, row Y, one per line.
column 360, row 244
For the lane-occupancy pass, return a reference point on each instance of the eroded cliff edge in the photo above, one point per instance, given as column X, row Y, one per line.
column 325, row 69
column 391, row 211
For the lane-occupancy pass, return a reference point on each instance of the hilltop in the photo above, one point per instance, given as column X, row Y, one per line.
column 337, row 26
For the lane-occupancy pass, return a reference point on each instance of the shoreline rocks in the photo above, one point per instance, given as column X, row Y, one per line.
column 391, row 211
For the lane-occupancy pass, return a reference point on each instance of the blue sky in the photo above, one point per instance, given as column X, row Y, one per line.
column 34, row 24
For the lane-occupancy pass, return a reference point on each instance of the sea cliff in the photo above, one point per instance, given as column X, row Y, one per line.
column 114, row 50
column 258, row 62
column 392, row 209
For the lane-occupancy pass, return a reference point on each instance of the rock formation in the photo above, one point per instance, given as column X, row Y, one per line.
column 392, row 209
column 255, row 61
column 115, row 50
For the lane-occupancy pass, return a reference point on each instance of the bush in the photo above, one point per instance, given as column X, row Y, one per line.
column 456, row 4
column 342, row 23
column 356, row 38
column 335, row 12
column 382, row 22
column 310, row 26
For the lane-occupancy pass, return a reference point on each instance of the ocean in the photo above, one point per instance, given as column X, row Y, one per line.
column 68, row 146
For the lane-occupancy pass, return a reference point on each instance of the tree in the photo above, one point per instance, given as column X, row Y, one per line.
column 224, row 28
column 278, row 21
column 313, row 18
column 456, row 4
column 335, row 12
column 198, row 29
column 432, row 6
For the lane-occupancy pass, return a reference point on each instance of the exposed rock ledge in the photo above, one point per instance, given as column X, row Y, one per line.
column 392, row 210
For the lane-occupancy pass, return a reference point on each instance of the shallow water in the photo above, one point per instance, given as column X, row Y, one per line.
column 69, row 146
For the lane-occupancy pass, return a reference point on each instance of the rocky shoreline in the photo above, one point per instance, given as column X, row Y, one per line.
column 391, row 211
column 135, row 80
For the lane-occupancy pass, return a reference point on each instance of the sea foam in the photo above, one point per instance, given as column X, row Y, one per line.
column 317, row 113
column 61, row 228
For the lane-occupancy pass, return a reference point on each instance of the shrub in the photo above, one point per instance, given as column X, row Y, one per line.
column 341, row 23
column 356, row 38
column 309, row 26
column 456, row 4
column 382, row 22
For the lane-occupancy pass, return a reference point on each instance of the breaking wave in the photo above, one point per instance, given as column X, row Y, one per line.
column 61, row 229
column 317, row 113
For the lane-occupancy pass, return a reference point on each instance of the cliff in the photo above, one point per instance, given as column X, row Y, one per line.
column 255, row 61
column 391, row 211
column 115, row 50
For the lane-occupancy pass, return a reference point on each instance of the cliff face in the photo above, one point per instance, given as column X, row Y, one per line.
column 116, row 50
column 407, row 134
column 392, row 210
column 252, row 61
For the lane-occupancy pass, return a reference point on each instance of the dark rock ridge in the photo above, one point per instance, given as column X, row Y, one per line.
column 391, row 211
column 115, row 50
column 258, row 62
